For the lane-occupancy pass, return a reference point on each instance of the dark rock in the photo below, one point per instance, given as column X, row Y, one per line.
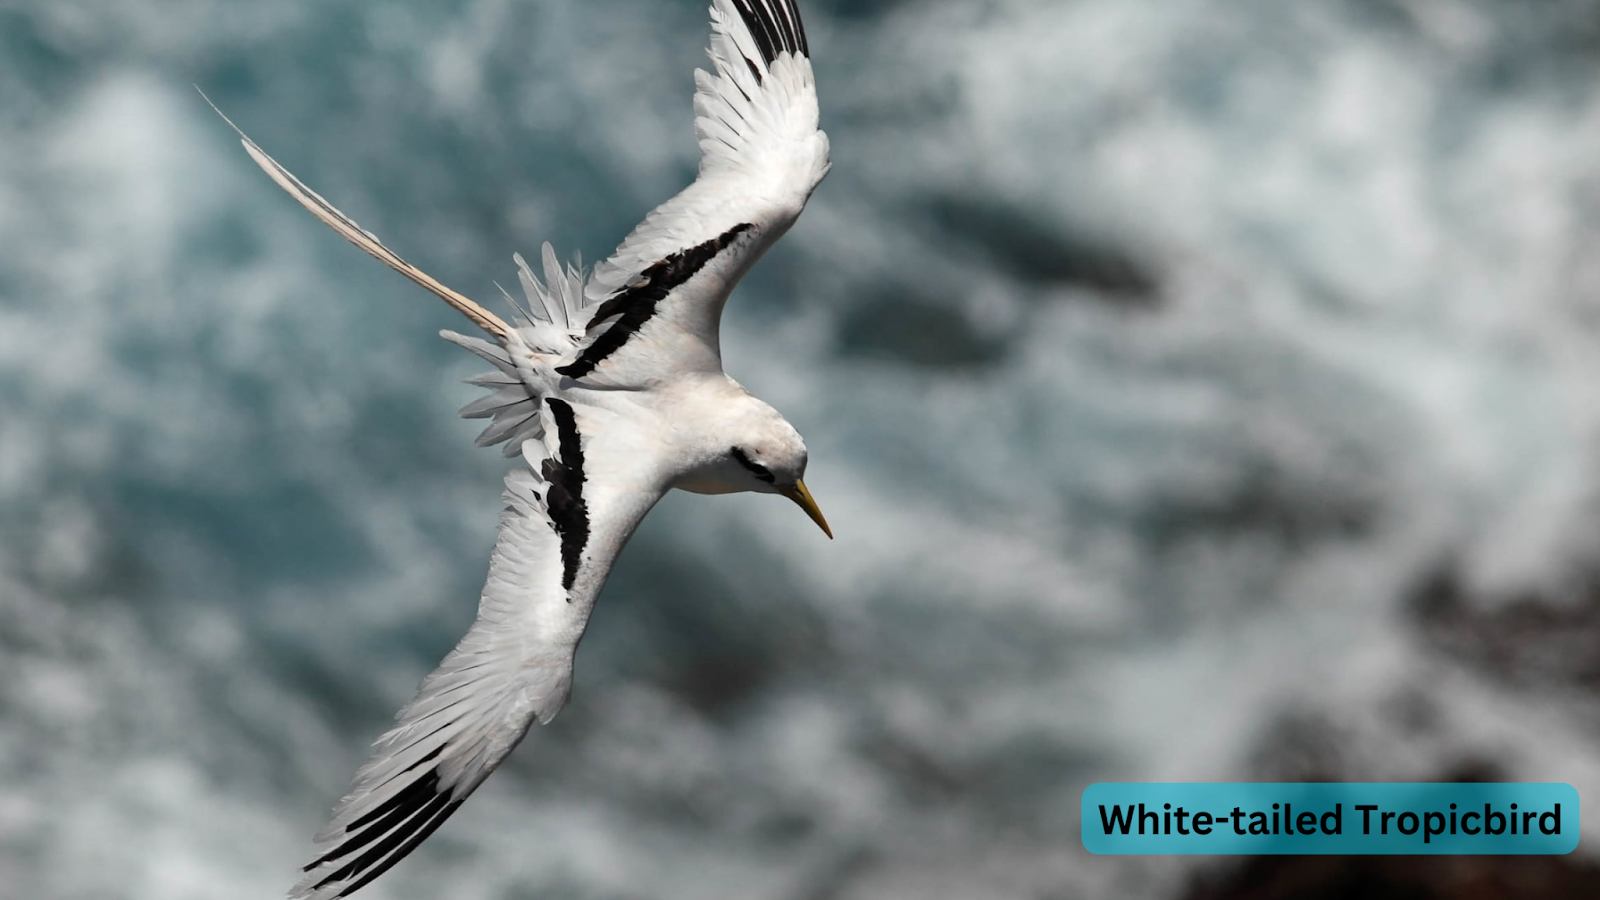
column 1401, row 878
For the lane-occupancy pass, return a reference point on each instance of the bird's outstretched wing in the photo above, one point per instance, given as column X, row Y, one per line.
column 568, row 514
column 567, row 517
column 653, row 308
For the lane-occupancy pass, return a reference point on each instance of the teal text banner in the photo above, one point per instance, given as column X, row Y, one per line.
column 1330, row 818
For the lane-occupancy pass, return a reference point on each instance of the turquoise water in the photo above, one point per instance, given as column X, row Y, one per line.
column 1158, row 361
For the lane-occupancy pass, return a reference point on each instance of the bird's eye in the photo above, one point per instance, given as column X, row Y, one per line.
column 756, row 469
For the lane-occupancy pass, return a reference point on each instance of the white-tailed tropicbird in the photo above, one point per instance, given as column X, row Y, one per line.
column 611, row 390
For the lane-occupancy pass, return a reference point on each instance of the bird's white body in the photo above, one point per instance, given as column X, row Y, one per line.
column 610, row 389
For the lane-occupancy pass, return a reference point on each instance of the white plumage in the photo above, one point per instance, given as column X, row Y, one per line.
column 610, row 388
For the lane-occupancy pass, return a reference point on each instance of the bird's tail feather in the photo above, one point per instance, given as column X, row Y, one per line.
column 513, row 407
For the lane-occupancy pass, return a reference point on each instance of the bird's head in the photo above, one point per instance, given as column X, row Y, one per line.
column 758, row 450
column 772, row 456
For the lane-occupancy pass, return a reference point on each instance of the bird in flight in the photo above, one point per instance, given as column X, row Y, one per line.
column 610, row 388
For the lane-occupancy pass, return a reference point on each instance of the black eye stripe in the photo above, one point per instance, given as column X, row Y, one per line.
column 755, row 468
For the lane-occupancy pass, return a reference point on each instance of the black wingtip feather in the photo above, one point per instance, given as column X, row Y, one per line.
column 776, row 26
column 422, row 833
column 387, row 834
column 378, row 858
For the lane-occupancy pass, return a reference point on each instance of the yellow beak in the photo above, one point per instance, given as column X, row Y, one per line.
column 802, row 497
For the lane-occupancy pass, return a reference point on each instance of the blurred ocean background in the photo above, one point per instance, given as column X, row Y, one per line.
column 1200, row 390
